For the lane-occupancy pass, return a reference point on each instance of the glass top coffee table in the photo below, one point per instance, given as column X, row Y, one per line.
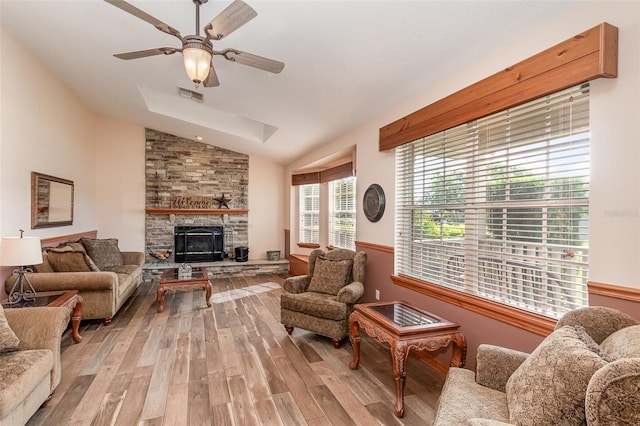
column 171, row 281
column 405, row 328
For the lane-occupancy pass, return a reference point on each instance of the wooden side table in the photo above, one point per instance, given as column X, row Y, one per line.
column 171, row 282
column 69, row 299
column 405, row 328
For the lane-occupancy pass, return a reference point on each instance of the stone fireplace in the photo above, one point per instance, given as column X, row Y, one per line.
column 181, row 168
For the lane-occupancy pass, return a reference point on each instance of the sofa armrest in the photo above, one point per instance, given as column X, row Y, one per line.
column 133, row 258
column 351, row 293
column 612, row 394
column 495, row 364
column 81, row 281
column 41, row 328
column 297, row 284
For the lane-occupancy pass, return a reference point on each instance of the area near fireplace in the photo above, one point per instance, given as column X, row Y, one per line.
column 179, row 168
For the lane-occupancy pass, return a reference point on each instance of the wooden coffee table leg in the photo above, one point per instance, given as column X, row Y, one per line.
column 399, row 354
column 160, row 297
column 207, row 293
column 76, row 316
column 354, row 336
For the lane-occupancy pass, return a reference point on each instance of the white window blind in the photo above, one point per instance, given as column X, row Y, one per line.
column 309, row 212
column 498, row 207
column 342, row 213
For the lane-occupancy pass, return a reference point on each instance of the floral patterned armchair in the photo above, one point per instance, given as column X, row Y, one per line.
column 323, row 300
column 587, row 372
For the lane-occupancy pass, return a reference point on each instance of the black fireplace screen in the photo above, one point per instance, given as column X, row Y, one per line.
column 198, row 244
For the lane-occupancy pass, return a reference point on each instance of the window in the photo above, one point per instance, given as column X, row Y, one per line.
column 498, row 207
column 309, row 213
column 342, row 213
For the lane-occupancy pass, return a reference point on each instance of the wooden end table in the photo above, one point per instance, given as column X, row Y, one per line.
column 69, row 299
column 171, row 282
column 405, row 328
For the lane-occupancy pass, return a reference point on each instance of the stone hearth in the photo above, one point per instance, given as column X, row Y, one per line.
column 225, row 269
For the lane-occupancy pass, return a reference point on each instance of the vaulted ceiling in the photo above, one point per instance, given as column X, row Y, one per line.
column 346, row 61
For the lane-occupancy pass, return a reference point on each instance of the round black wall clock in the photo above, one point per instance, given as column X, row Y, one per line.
column 373, row 202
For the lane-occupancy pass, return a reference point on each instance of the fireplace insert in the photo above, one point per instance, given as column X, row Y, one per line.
column 198, row 244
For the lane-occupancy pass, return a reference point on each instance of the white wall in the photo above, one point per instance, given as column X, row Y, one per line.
column 120, row 181
column 615, row 138
column 43, row 128
column 266, row 207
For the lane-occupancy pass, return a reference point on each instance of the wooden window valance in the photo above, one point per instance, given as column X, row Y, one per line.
column 327, row 175
column 586, row 56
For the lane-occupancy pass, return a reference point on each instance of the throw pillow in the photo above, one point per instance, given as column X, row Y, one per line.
column 68, row 260
column 550, row 385
column 104, row 252
column 74, row 245
column 624, row 343
column 45, row 266
column 8, row 339
column 329, row 276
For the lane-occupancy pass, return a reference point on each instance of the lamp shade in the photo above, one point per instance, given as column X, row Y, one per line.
column 197, row 62
column 16, row 251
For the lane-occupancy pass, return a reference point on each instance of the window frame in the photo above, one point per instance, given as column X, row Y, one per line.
column 463, row 295
column 306, row 229
column 337, row 238
column 588, row 56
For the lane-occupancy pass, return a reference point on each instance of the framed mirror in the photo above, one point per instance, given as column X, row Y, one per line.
column 51, row 201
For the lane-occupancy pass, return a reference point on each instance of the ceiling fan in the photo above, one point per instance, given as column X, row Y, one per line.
column 197, row 51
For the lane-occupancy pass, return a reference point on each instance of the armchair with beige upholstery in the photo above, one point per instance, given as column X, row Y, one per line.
column 587, row 372
column 322, row 301
column 30, row 367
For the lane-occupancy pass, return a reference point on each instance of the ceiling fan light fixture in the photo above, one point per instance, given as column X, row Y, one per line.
column 197, row 63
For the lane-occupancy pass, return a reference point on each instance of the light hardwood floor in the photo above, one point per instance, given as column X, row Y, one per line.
column 231, row 364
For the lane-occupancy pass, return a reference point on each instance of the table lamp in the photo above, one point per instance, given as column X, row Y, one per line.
column 21, row 251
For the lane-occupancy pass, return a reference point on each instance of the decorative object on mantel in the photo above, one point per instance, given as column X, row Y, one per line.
column 373, row 202
column 222, row 201
column 160, row 256
column 156, row 190
column 20, row 252
column 196, row 211
column 192, row 202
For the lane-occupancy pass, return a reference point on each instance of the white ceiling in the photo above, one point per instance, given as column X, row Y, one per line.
column 346, row 61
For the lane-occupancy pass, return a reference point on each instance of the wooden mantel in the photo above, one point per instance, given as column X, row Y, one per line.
column 196, row 211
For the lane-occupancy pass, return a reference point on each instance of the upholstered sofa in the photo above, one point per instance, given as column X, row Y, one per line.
column 323, row 300
column 104, row 276
column 30, row 366
column 587, row 372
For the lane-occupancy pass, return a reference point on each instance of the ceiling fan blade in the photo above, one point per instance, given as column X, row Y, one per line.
column 121, row 4
column 149, row 52
column 212, row 78
column 252, row 60
column 230, row 19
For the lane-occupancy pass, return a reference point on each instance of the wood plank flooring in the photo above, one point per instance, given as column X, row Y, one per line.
column 231, row 364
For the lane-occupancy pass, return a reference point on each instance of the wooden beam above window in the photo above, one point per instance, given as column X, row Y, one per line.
column 584, row 57
column 326, row 175
column 339, row 172
column 305, row 178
